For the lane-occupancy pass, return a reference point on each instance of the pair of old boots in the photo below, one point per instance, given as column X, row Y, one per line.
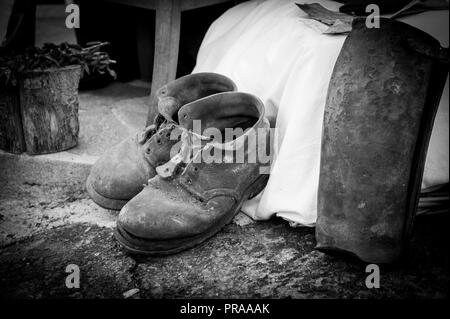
column 185, row 176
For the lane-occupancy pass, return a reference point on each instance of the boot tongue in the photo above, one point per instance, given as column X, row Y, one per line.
column 168, row 107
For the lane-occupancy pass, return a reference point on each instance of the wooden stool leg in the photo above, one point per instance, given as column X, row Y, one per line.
column 167, row 38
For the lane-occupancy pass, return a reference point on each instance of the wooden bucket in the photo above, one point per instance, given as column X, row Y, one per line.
column 11, row 134
column 49, row 109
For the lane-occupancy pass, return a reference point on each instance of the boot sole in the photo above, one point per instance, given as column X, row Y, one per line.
column 105, row 202
column 141, row 246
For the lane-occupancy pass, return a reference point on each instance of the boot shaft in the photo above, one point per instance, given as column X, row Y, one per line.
column 214, row 161
column 157, row 140
column 381, row 103
column 172, row 96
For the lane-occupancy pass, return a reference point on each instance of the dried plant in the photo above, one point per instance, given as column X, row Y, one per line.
column 91, row 59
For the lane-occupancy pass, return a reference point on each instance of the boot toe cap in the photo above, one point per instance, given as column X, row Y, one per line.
column 157, row 215
column 119, row 173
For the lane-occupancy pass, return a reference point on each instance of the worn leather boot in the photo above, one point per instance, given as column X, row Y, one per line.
column 121, row 172
column 382, row 100
column 201, row 188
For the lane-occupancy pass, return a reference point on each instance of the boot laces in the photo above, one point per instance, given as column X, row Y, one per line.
column 191, row 144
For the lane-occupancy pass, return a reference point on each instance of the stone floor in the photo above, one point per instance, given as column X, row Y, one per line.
column 47, row 222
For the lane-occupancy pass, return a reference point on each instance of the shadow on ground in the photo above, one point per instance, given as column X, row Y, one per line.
column 251, row 260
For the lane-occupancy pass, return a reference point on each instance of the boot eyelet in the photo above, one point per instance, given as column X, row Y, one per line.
column 195, row 169
column 148, row 150
column 158, row 142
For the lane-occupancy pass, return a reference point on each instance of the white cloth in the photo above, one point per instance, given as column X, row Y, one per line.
column 274, row 51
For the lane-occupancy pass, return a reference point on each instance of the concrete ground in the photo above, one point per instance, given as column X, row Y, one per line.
column 47, row 222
